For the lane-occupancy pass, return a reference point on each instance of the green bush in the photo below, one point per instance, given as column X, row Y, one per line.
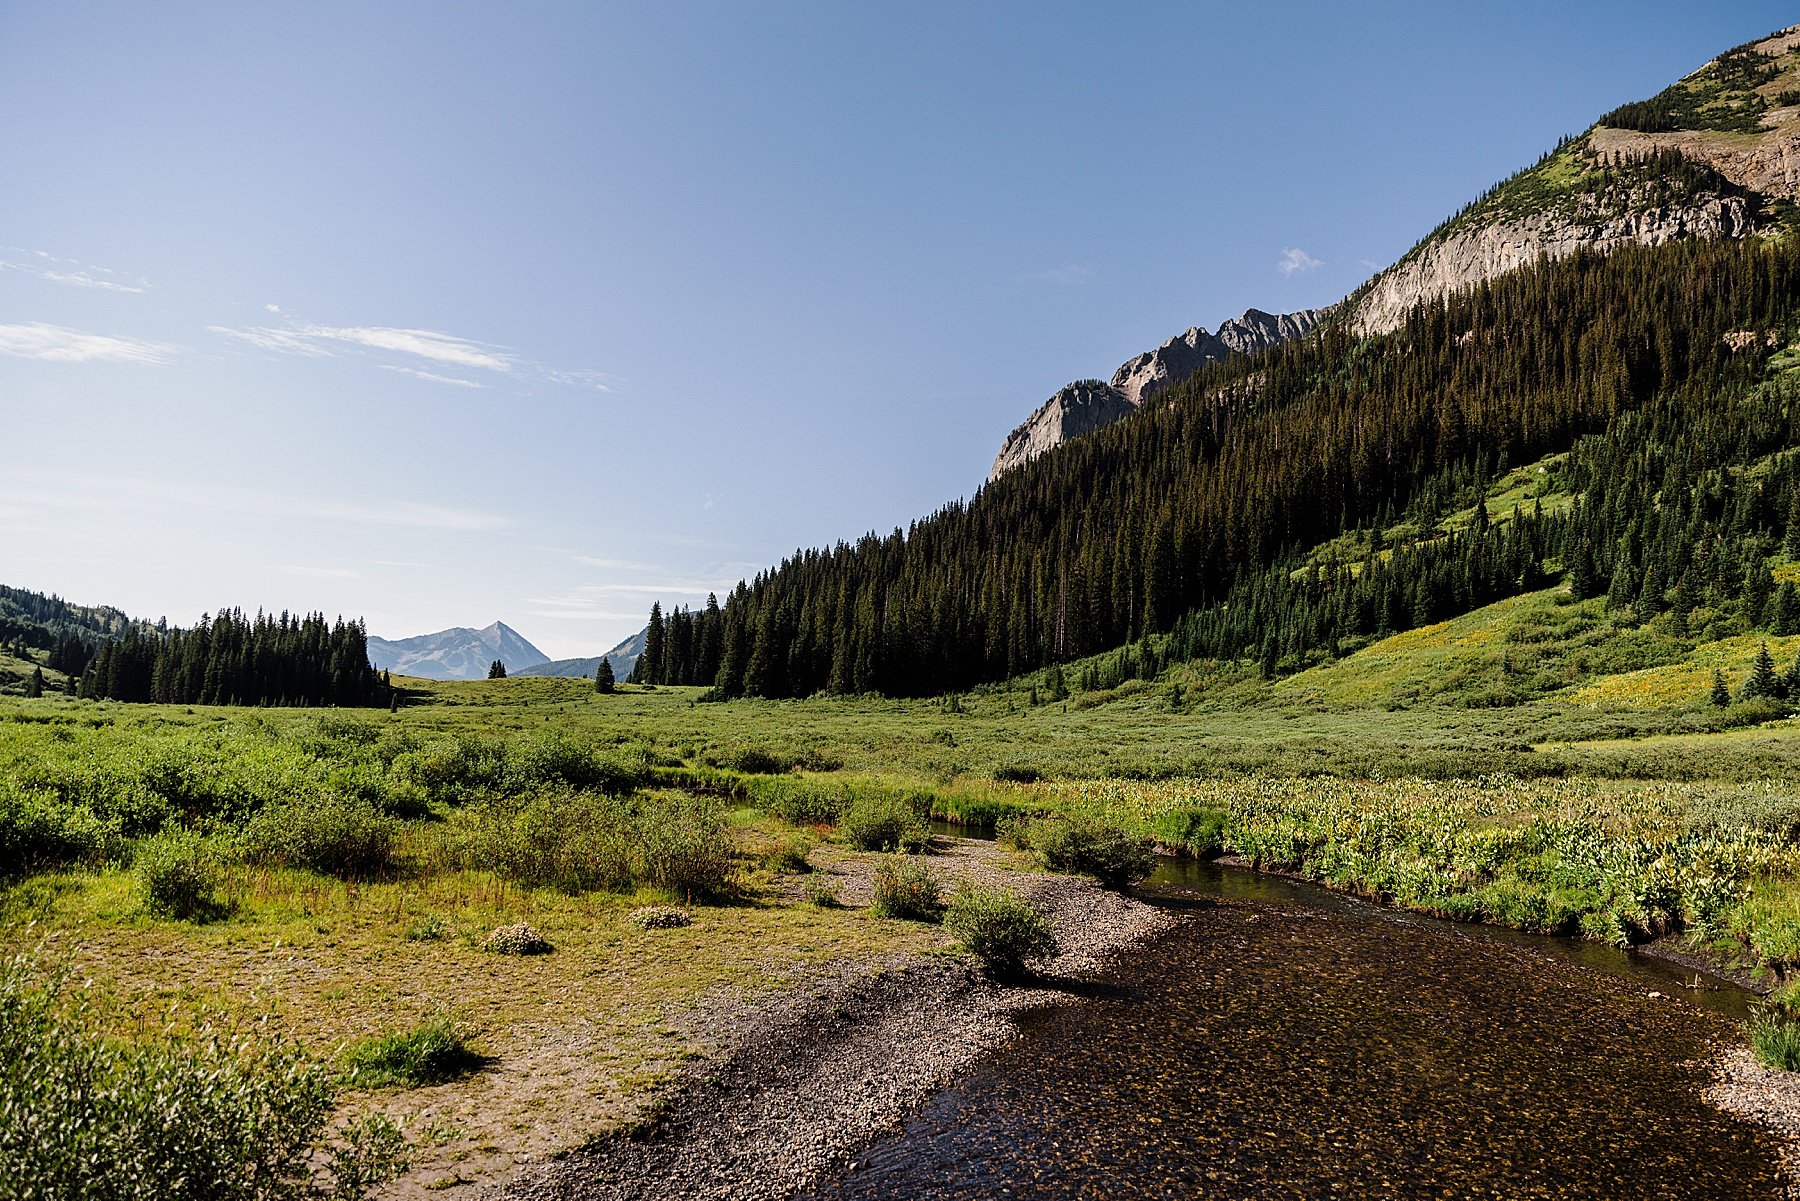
column 1002, row 931
column 175, row 873
column 821, row 891
column 1089, row 847
column 430, row 1053
column 575, row 842
column 1775, row 1038
column 551, row 759
column 883, row 821
column 906, row 888
column 681, row 845
column 1199, row 832
column 324, row 832
column 796, row 799
column 790, row 855
column 213, row 1117
column 39, row 832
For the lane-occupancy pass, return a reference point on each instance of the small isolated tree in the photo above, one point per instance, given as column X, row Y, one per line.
column 34, row 687
column 1762, row 681
column 603, row 675
column 1721, row 691
column 496, row 670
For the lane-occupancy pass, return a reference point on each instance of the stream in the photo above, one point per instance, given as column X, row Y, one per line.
column 1283, row 1041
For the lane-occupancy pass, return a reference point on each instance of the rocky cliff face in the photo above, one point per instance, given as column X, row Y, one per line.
column 1470, row 256
column 1708, row 158
column 1081, row 408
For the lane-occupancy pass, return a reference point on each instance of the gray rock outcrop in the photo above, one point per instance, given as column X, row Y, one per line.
column 1083, row 407
column 1471, row 256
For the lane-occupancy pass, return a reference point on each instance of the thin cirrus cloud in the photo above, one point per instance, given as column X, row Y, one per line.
column 67, row 272
column 316, row 573
column 58, row 344
column 1295, row 261
column 431, row 347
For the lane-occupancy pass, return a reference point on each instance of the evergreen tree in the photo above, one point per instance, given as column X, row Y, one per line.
column 34, row 687
column 1721, row 691
column 1762, row 681
column 603, row 675
column 496, row 670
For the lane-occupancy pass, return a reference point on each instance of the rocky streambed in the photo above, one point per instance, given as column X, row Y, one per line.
column 1234, row 1040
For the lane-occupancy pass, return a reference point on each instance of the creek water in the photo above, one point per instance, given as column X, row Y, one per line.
column 1284, row 1042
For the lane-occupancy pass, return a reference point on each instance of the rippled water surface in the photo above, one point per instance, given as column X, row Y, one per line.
column 1280, row 1043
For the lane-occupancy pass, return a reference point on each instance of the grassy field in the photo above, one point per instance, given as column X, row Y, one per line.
column 335, row 875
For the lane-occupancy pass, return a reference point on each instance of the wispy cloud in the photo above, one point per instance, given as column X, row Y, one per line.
column 317, row 573
column 1295, row 261
column 68, row 272
column 108, row 493
column 432, row 347
column 433, row 376
column 1062, row 275
column 59, row 344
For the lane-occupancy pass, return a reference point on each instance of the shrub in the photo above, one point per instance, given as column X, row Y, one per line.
column 658, row 917
column 878, row 821
column 790, row 855
column 38, row 832
column 1199, row 832
column 175, row 873
column 1002, row 931
column 1017, row 773
column 795, row 799
column 324, row 832
column 430, row 1053
column 214, row 1117
column 427, row 929
column 550, row 759
column 1775, row 1038
column 574, row 842
column 821, row 891
column 906, row 888
column 517, row 939
column 682, row 845
column 1089, row 847
column 757, row 761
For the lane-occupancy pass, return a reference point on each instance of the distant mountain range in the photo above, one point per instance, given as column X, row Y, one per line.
column 458, row 653
column 461, row 653
column 623, row 658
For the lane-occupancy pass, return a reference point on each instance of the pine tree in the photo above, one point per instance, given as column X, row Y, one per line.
column 1762, row 681
column 34, row 687
column 1721, row 691
column 603, row 675
column 496, row 670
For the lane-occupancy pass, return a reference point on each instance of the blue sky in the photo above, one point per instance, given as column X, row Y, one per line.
column 442, row 313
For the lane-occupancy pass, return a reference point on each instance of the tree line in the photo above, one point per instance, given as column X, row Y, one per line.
column 231, row 659
column 1191, row 520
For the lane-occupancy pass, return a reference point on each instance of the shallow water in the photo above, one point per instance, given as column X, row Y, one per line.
column 1284, row 1042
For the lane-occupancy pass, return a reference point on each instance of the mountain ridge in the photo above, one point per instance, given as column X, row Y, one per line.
column 458, row 653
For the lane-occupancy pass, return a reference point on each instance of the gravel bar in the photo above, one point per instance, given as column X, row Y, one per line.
column 810, row 1077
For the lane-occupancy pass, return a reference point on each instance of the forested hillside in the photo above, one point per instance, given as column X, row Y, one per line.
column 1663, row 371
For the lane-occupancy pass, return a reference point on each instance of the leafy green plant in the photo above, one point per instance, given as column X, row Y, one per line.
column 325, row 832
column 882, row 821
column 571, row 841
column 821, row 891
column 1775, row 1038
column 1088, row 847
column 906, row 888
column 212, row 1116
column 433, row 1052
column 681, row 845
column 1001, row 930
column 790, row 855
column 176, row 874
